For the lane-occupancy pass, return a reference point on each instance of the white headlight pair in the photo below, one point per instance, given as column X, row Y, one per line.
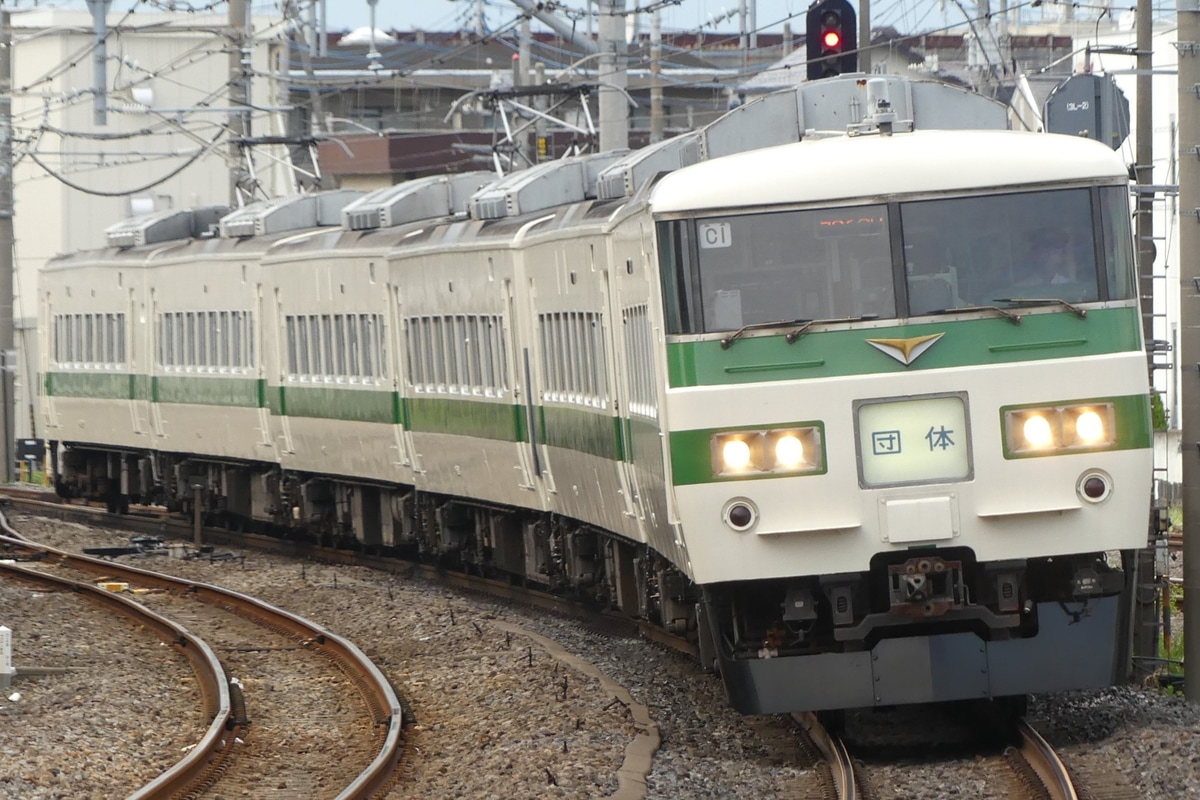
column 789, row 450
column 1059, row 428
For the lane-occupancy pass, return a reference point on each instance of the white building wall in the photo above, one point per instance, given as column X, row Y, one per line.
column 160, row 152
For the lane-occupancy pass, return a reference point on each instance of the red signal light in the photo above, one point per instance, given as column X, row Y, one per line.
column 831, row 39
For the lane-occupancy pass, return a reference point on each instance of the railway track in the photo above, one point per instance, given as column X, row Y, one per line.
column 1030, row 768
column 217, row 697
column 241, row 756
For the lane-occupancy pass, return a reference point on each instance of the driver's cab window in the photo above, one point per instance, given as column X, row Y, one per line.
column 794, row 265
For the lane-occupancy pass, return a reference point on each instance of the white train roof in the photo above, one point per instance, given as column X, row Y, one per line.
column 868, row 166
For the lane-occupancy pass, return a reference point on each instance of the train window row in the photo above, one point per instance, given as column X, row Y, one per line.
column 639, row 355
column 90, row 340
column 573, row 354
column 206, row 341
column 336, row 347
column 457, row 354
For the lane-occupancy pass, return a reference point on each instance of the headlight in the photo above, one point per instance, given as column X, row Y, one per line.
column 789, row 452
column 1037, row 431
column 1089, row 427
column 736, row 454
column 765, row 452
column 1059, row 429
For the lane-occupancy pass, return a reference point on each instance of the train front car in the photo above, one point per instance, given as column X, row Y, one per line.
column 908, row 415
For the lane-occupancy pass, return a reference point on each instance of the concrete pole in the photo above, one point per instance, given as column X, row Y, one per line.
column 239, row 101
column 323, row 30
column 524, row 49
column 656, row 92
column 1145, row 617
column 99, row 9
column 614, row 106
column 1189, row 324
column 8, row 356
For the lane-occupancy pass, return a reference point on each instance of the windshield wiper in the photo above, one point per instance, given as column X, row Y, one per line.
column 1044, row 301
column 754, row 326
column 1015, row 319
column 796, row 334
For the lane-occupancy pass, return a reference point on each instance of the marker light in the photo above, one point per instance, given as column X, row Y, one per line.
column 1037, row 431
column 736, row 454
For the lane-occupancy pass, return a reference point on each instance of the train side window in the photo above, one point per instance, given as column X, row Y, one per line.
column 368, row 345
column 235, row 336
column 293, row 364
column 476, row 350
column 502, row 373
column 675, row 267
column 327, row 345
column 1119, row 259
column 319, row 370
column 487, row 361
column 302, row 348
column 339, row 350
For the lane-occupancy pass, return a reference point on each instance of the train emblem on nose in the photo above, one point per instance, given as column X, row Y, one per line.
column 906, row 351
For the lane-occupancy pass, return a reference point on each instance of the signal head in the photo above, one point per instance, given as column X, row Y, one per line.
column 831, row 39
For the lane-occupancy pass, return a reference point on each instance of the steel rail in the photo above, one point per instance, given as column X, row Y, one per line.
column 1038, row 753
column 193, row 768
column 370, row 682
column 841, row 768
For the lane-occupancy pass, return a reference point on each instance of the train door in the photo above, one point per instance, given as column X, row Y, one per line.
column 404, row 453
column 632, row 339
column 160, row 326
column 283, row 346
column 138, row 349
column 257, row 323
column 530, row 453
column 630, row 342
column 49, row 356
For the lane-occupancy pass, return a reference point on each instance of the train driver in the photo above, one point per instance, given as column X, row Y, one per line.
column 1051, row 260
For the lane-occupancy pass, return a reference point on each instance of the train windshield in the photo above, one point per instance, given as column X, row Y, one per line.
column 897, row 259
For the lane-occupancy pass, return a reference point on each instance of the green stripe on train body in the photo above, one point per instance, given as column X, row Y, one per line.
column 331, row 402
column 827, row 354
column 462, row 417
column 207, row 390
column 584, row 430
column 213, row 390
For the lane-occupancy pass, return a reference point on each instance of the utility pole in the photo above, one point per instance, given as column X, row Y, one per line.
column 99, row 9
column 614, row 106
column 1189, row 325
column 8, row 356
column 1145, row 618
column 656, row 97
column 241, row 189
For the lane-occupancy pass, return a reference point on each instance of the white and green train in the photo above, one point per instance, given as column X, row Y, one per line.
column 865, row 415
